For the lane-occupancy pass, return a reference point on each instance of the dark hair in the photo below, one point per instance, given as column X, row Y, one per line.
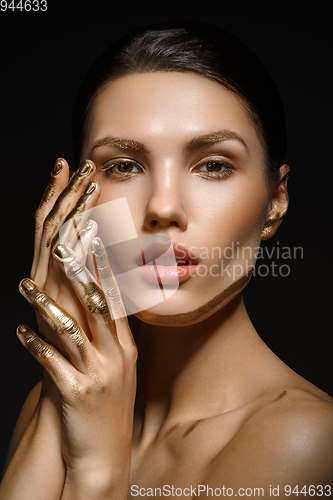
column 200, row 48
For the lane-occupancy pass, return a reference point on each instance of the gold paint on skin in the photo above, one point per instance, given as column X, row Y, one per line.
column 106, row 277
column 57, row 167
column 267, row 231
column 34, row 344
column 60, row 320
column 78, row 217
column 50, row 188
column 204, row 140
column 121, row 144
column 42, row 352
column 56, row 215
column 197, row 314
column 85, row 169
column 93, row 296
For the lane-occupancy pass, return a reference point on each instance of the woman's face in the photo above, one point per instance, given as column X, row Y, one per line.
column 190, row 164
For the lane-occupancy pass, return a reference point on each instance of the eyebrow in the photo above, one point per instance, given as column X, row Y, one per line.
column 122, row 144
column 222, row 135
column 196, row 143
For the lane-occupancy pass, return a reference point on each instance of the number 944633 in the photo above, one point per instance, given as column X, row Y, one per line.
column 24, row 5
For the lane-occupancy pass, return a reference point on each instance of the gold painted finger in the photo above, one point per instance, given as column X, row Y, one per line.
column 52, row 190
column 82, row 244
column 106, row 279
column 49, row 358
column 55, row 219
column 85, row 286
column 40, row 350
column 77, row 218
column 63, row 205
column 68, row 330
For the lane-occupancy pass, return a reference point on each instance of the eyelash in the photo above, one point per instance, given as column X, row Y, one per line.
column 109, row 169
column 228, row 169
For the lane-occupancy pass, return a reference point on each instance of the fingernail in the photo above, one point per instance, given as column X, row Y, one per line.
column 27, row 285
column 62, row 252
column 97, row 247
column 86, row 168
column 22, row 329
column 88, row 226
column 57, row 167
column 90, row 188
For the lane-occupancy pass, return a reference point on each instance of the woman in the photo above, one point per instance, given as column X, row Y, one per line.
column 185, row 124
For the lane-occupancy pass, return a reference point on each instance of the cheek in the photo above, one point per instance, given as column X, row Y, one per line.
column 244, row 216
column 134, row 195
column 233, row 211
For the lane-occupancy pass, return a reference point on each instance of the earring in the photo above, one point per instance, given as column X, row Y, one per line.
column 267, row 230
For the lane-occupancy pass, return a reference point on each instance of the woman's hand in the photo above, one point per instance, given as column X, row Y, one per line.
column 53, row 296
column 97, row 384
column 63, row 199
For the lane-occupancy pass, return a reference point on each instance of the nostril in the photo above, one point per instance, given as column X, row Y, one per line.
column 155, row 223
column 162, row 217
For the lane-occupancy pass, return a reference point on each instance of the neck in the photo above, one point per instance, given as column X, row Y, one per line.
column 195, row 371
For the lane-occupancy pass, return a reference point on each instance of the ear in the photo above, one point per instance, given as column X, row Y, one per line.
column 279, row 205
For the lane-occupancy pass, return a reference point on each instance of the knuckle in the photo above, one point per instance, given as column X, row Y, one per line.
column 48, row 224
column 114, row 294
column 39, row 349
column 68, row 326
column 81, row 390
column 44, row 352
column 85, row 389
column 92, row 386
column 97, row 303
column 75, row 271
column 41, row 300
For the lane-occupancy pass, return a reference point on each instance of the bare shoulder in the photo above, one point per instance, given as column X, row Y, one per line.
column 286, row 441
column 299, row 417
column 296, row 428
column 23, row 420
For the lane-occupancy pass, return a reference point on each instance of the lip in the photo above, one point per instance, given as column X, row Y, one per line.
column 158, row 261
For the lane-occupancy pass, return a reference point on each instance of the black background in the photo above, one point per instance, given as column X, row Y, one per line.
column 44, row 57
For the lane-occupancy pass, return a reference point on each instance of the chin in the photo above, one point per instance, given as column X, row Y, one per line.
column 165, row 314
column 174, row 311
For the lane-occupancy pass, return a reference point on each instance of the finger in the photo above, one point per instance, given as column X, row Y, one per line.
column 67, row 200
column 82, row 245
column 102, row 327
column 57, row 181
column 75, row 234
column 67, row 329
column 77, row 218
column 60, row 370
column 108, row 283
column 64, row 204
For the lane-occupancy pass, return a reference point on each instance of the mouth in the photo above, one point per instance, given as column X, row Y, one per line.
column 167, row 262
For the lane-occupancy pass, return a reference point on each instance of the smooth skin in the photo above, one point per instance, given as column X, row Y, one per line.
column 213, row 405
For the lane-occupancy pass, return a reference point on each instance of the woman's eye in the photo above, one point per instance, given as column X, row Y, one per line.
column 121, row 168
column 213, row 168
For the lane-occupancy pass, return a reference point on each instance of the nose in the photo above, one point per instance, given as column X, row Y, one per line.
column 165, row 205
